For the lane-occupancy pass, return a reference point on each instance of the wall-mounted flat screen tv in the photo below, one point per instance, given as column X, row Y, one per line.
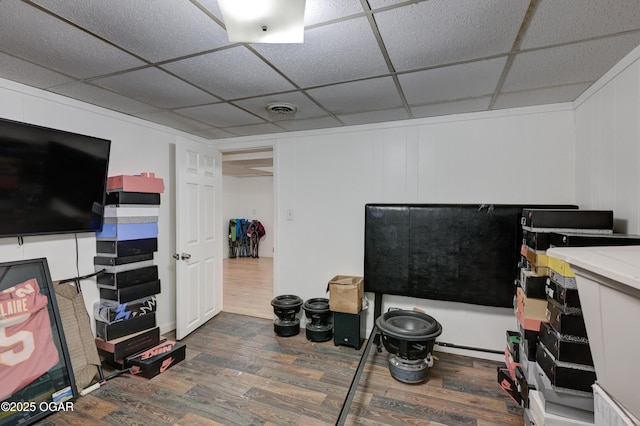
column 51, row 181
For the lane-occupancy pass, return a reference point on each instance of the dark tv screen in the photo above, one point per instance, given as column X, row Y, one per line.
column 51, row 181
column 465, row 253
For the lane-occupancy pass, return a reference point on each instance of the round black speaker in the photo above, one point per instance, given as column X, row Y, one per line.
column 319, row 328
column 286, row 308
column 409, row 337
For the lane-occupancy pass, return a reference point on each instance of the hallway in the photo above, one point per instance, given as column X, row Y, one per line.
column 248, row 286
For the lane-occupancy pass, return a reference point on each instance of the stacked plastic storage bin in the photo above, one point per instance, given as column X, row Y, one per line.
column 125, row 316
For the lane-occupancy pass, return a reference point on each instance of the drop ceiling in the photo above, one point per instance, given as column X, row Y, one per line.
column 362, row 61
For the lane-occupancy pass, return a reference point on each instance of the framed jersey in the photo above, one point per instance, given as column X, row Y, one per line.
column 35, row 370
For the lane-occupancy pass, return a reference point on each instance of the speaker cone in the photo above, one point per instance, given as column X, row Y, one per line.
column 409, row 337
column 319, row 328
column 286, row 308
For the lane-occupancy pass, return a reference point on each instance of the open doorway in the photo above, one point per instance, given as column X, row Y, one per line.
column 247, row 181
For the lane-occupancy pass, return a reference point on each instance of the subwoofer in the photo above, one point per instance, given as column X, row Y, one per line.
column 319, row 328
column 409, row 337
column 286, row 308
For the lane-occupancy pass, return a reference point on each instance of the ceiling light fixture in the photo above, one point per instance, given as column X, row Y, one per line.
column 263, row 21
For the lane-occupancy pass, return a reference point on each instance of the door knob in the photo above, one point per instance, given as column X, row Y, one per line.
column 185, row 256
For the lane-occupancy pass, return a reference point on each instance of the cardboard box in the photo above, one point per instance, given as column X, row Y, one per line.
column 122, row 260
column 129, row 294
column 127, row 231
column 125, row 197
column 131, row 211
column 509, row 385
column 113, row 248
column 122, row 328
column 567, row 297
column 531, row 308
column 529, row 343
column 561, row 267
column 537, row 258
column 110, row 311
column 565, row 375
column 563, row 348
column 522, row 385
column 565, row 323
column 536, row 240
column 157, row 359
column 122, row 268
column 578, row 401
column 533, row 285
column 130, row 278
column 558, row 220
column 514, row 340
column 346, row 293
column 583, row 240
column 145, row 182
column 130, row 344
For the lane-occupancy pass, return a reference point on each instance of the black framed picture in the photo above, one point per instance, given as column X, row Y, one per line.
column 35, row 369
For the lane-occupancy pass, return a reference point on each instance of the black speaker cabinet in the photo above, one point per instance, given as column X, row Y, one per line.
column 349, row 329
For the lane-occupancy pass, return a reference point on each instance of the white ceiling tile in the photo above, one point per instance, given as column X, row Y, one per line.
column 573, row 63
column 213, row 133
column 170, row 119
column 377, row 4
column 332, row 53
column 306, row 108
column 565, row 21
column 374, row 116
column 156, row 87
column 213, row 7
column 358, row 96
column 230, row 73
column 449, row 108
column 257, row 129
column 16, row 69
column 318, row 11
column 155, row 30
column 438, row 32
column 544, row 96
column 468, row 80
column 101, row 97
column 52, row 43
column 219, row 115
column 448, row 55
column 311, row 123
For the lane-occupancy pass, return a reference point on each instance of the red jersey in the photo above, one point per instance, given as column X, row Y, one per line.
column 27, row 350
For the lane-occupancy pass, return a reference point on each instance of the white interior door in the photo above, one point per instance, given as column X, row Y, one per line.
column 198, row 239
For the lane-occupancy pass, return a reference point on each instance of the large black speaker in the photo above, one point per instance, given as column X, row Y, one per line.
column 409, row 337
column 319, row 327
column 286, row 308
column 349, row 329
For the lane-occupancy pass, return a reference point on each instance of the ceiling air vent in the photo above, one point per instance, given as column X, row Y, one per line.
column 281, row 108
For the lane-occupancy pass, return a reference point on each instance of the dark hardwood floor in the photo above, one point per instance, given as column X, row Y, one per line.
column 238, row 372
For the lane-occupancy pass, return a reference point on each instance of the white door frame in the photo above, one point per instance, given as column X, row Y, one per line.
column 258, row 144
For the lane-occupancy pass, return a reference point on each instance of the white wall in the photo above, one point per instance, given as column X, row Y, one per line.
column 608, row 145
column 137, row 146
column 250, row 198
column 326, row 178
